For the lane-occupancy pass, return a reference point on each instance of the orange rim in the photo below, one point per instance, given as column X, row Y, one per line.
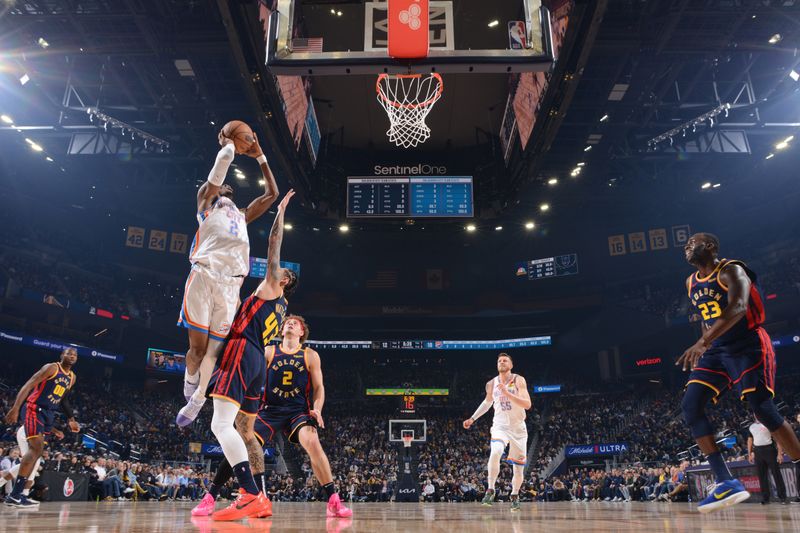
column 427, row 102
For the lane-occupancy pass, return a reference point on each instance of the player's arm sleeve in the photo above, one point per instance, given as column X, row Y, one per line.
column 221, row 165
column 482, row 409
column 66, row 406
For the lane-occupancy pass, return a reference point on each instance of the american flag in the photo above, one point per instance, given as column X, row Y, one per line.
column 312, row 44
column 383, row 279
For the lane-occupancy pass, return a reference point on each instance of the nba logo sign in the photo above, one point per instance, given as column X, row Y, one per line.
column 517, row 36
column 69, row 487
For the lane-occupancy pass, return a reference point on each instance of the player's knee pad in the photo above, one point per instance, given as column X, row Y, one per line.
column 223, row 417
column 764, row 408
column 497, row 449
column 693, row 407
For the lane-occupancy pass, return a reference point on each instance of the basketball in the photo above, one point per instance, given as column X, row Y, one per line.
column 240, row 133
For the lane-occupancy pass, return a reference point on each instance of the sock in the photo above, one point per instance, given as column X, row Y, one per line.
column 489, row 491
column 245, row 478
column 191, row 378
column 717, row 463
column 26, row 492
column 261, row 482
column 19, row 486
column 514, row 497
column 213, row 489
column 329, row 489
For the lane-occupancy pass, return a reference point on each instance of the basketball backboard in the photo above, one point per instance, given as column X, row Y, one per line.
column 319, row 37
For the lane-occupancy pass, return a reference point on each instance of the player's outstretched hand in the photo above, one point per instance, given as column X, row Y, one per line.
column 74, row 426
column 318, row 417
column 255, row 150
column 58, row 433
column 12, row 416
column 692, row 355
column 468, row 423
column 285, row 201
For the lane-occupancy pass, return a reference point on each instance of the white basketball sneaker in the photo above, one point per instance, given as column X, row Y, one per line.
column 189, row 412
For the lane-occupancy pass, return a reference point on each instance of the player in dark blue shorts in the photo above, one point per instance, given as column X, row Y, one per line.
column 293, row 400
column 734, row 352
column 35, row 406
column 237, row 383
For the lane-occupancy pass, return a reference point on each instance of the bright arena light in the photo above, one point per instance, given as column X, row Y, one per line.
column 552, row 181
column 6, row 119
column 544, row 207
column 529, row 225
column 287, row 226
column 498, row 228
column 344, row 228
column 494, row 23
column 471, row 228
column 24, row 79
column 706, row 185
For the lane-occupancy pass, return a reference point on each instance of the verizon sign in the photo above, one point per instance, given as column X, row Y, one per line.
column 650, row 361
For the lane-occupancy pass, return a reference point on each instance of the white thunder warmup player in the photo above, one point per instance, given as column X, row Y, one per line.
column 220, row 258
column 508, row 394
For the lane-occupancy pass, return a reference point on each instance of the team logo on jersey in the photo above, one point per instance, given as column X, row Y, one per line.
column 225, row 327
column 69, row 487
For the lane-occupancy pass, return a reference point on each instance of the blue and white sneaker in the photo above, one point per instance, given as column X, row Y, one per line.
column 724, row 494
column 21, row 502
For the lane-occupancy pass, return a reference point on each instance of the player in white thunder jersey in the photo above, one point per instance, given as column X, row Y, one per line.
column 508, row 394
column 220, row 258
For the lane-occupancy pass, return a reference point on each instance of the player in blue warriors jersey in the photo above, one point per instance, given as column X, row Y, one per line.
column 35, row 405
column 734, row 352
column 237, row 383
column 293, row 400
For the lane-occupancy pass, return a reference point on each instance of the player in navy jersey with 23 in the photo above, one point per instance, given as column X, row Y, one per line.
column 734, row 352
column 35, row 405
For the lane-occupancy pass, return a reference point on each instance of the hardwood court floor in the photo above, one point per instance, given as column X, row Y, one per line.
column 123, row 517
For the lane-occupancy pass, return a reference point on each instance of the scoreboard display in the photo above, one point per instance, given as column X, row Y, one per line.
column 410, row 197
column 549, row 267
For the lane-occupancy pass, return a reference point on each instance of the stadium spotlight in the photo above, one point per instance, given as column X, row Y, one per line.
column 581, row 164
column 344, row 228
column 498, row 228
column 529, row 226
column 471, row 228
column 706, row 185
column 24, row 79
column 775, row 39
column 494, row 23
column 262, row 182
column 544, row 207
column 770, row 156
column 288, row 227
column 41, row 42
column 552, row 181
column 794, row 75
column 717, row 185
column 604, row 118
column 7, row 119
column 587, row 148
column 49, row 158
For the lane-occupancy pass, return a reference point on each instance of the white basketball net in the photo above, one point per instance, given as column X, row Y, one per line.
column 407, row 100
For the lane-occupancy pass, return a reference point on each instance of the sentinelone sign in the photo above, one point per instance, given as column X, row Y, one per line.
column 594, row 450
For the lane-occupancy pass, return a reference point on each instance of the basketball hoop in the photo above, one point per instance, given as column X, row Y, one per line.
column 407, row 99
column 407, row 439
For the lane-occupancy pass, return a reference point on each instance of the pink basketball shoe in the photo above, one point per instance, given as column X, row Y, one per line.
column 205, row 507
column 336, row 509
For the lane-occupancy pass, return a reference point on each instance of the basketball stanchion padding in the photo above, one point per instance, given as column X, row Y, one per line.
column 407, row 100
column 408, row 29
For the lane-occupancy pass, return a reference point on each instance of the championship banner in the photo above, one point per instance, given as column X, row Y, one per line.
column 64, row 487
column 403, row 392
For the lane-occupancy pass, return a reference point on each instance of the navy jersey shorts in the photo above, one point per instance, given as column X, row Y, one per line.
column 745, row 365
column 240, row 375
column 37, row 420
column 271, row 419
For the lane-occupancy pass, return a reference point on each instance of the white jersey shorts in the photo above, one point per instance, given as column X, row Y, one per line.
column 517, row 441
column 210, row 302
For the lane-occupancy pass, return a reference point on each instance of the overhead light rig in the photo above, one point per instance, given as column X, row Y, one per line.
column 151, row 142
column 707, row 118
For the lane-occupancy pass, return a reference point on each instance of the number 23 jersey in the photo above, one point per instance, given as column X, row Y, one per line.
column 709, row 296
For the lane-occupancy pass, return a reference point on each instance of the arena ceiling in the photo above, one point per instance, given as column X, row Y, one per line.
column 177, row 70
